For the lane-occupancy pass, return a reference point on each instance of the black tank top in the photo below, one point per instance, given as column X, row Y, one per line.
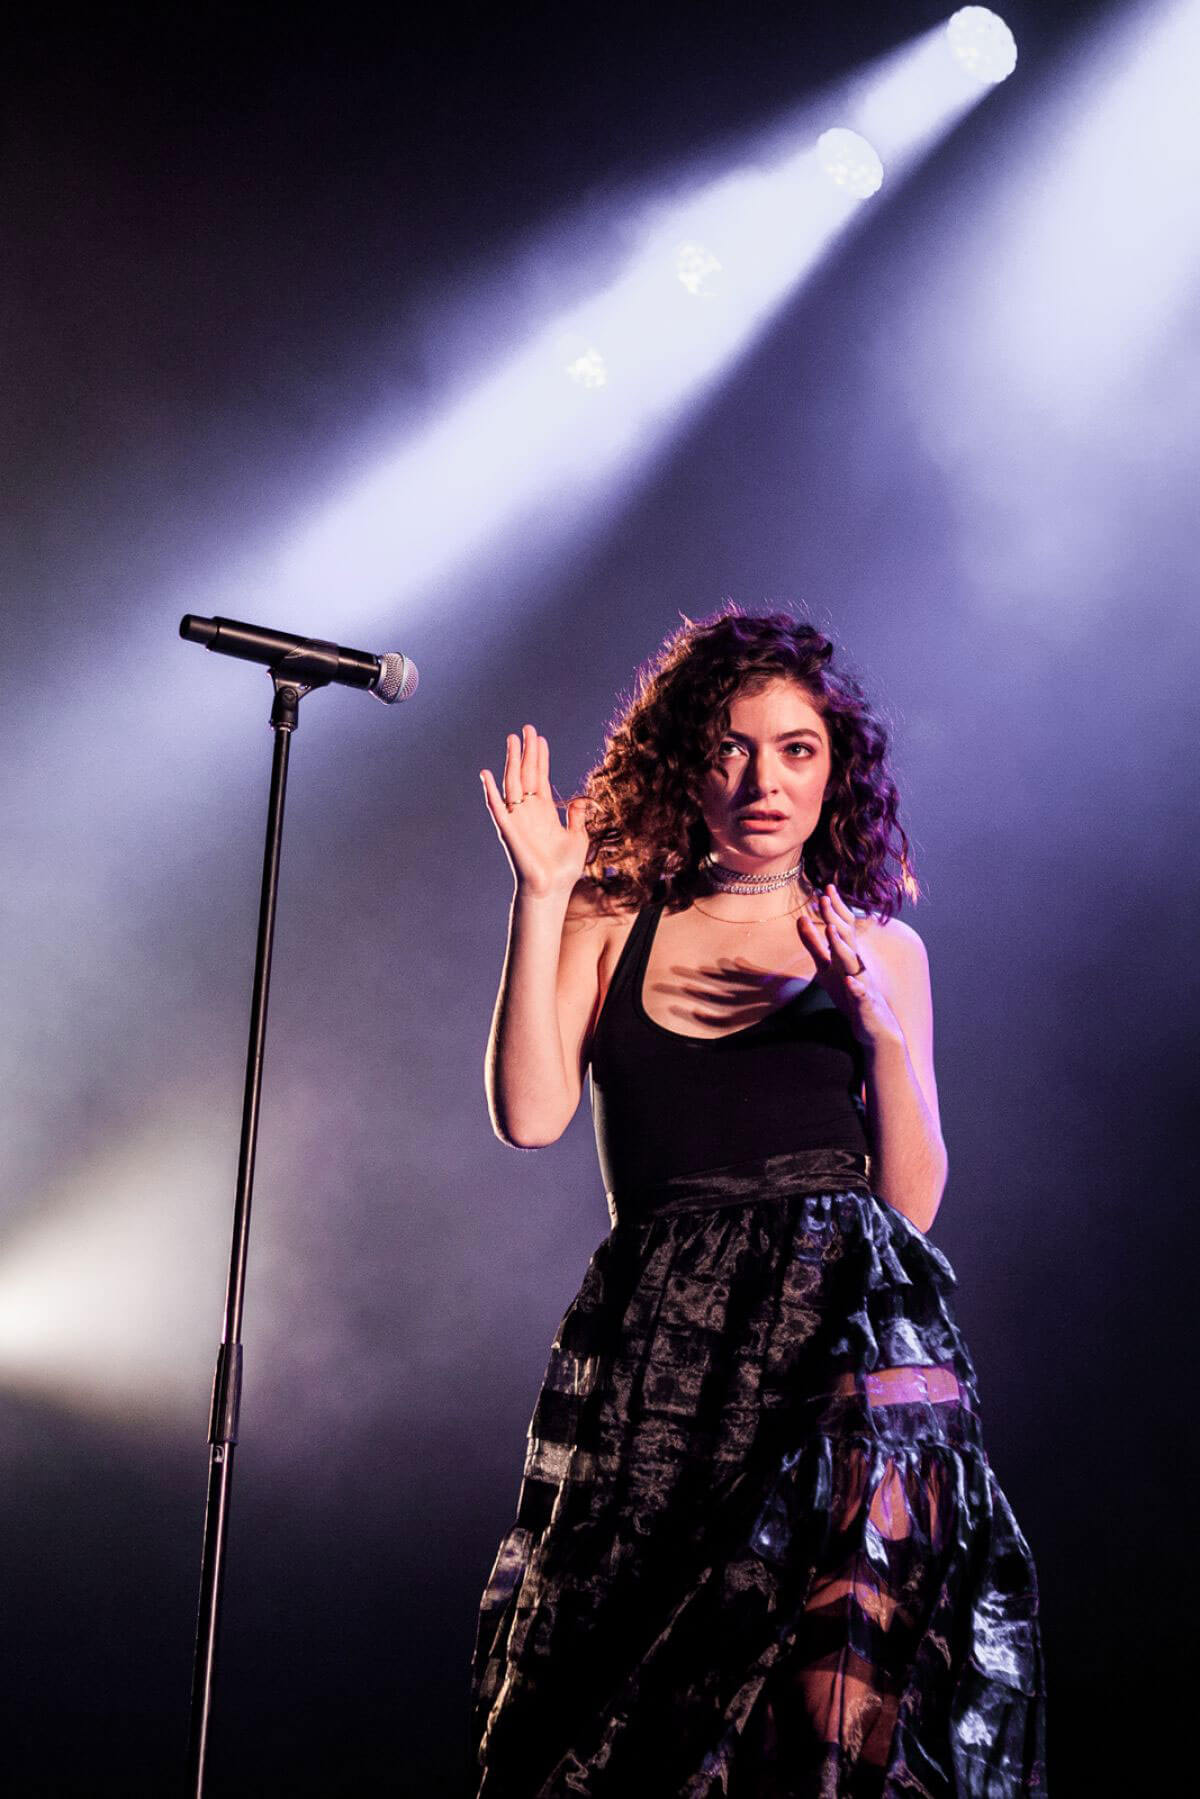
column 664, row 1103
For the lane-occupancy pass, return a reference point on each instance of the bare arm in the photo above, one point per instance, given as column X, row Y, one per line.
column 549, row 991
column 901, row 1092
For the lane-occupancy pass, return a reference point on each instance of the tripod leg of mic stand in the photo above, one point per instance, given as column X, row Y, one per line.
column 216, row 1523
column 227, row 1396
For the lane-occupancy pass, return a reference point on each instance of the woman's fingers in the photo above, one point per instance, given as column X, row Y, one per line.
column 529, row 759
column 526, row 770
column 834, row 924
column 544, row 852
column 512, row 769
column 492, row 794
column 842, row 935
column 527, row 767
column 815, row 940
column 830, row 937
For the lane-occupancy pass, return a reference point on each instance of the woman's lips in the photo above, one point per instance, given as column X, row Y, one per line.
column 765, row 821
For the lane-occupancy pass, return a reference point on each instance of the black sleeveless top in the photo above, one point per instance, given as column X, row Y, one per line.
column 664, row 1103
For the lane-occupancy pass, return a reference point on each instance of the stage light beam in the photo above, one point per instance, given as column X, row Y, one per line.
column 697, row 269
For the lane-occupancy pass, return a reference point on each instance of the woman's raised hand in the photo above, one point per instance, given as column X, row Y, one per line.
column 829, row 931
column 546, row 856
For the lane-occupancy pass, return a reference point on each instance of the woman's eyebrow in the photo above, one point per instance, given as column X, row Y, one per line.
column 800, row 731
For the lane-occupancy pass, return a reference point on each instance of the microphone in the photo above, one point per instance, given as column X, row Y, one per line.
column 310, row 660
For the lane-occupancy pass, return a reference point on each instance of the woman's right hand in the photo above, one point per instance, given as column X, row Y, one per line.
column 546, row 857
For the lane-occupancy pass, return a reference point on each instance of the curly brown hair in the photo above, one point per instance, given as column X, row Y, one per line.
column 645, row 821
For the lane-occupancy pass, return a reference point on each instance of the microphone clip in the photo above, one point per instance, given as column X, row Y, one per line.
column 292, row 679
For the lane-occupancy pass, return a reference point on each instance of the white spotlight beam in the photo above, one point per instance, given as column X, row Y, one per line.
column 586, row 402
column 594, row 395
column 1034, row 353
column 639, row 351
column 913, row 99
column 1100, row 238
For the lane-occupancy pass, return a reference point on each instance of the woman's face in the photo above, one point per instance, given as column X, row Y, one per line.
column 775, row 759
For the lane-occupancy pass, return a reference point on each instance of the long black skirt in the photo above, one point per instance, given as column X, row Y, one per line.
column 759, row 1548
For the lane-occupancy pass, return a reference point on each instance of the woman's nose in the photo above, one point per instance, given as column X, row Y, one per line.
column 760, row 774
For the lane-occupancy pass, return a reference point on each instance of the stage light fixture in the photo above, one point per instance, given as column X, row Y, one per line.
column 589, row 369
column 697, row 268
column 850, row 161
column 982, row 43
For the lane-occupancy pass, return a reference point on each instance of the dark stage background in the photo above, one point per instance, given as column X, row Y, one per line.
column 248, row 252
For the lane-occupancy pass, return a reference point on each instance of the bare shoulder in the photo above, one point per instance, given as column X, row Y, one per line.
column 591, row 904
column 596, row 925
column 595, row 931
column 896, row 944
column 890, row 934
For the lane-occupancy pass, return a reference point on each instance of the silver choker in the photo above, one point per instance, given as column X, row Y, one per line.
column 729, row 880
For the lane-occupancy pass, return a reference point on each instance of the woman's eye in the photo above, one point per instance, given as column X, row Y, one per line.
column 727, row 746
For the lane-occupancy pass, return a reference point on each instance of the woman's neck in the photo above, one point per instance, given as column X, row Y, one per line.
column 721, row 895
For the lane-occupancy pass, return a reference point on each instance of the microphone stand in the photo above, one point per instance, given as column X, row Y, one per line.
column 294, row 674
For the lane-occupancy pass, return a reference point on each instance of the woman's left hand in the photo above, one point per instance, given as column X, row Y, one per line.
column 828, row 930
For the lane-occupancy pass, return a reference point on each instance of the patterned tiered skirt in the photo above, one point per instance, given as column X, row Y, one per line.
column 759, row 1548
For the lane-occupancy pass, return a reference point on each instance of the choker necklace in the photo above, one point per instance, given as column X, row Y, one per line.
column 730, row 880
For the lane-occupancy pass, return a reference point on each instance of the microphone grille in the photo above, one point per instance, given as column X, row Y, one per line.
column 397, row 678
